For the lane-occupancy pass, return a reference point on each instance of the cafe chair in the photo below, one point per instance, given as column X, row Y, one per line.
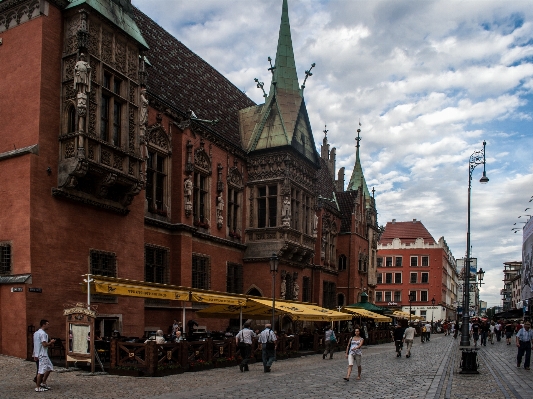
column 57, row 347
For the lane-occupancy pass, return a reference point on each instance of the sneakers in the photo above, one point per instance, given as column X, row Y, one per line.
column 323, row 356
column 45, row 386
column 241, row 367
column 40, row 389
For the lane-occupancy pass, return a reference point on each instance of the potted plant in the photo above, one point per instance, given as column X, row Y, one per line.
column 199, row 365
column 225, row 362
column 169, row 369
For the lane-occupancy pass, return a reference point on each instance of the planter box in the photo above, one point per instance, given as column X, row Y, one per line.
column 170, row 371
column 199, row 368
column 127, row 373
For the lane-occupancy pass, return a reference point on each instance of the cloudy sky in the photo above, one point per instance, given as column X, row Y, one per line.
column 429, row 81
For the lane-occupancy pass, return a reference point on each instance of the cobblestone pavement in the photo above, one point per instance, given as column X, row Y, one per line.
column 431, row 372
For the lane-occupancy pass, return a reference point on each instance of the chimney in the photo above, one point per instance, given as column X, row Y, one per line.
column 393, row 221
column 414, row 220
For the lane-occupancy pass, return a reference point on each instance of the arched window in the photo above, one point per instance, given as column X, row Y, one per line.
column 157, row 170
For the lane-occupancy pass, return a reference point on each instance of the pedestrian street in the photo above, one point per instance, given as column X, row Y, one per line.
column 431, row 372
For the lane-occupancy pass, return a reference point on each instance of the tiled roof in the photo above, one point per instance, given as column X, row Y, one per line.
column 407, row 232
column 183, row 80
column 346, row 200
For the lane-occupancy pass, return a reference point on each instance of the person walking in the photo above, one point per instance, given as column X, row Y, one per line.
column 475, row 331
column 408, row 338
column 267, row 338
column 484, row 333
column 456, row 328
column 498, row 331
column 244, row 342
column 509, row 329
column 491, row 333
column 524, row 337
column 428, row 331
column 398, row 339
column 354, row 354
column 40, row 355
column 330, row 341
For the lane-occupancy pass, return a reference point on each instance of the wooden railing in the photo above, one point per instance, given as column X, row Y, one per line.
column 150, row 357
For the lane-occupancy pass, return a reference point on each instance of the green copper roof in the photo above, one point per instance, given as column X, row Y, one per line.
column 285, row 74
column 358, row 178
column 114, row 13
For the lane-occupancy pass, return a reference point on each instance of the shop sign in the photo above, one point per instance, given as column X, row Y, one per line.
column 17, row 289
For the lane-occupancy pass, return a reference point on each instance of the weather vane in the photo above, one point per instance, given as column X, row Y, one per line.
column 326, row 131
column 307, row 74
column 358, row 138
column 260, row 85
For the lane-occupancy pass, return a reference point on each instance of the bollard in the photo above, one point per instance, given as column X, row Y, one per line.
column 469, row 364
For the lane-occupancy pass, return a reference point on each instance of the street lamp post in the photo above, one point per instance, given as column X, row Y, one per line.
column 411, row 299
column 477, row 158
column 273, row 269
column 432, row 306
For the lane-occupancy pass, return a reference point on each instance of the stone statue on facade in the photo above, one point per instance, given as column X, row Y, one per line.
column 283, row 284
column 286, row 211
column 296, row 290
column 220, row 209
column 187, row 191
column 143, row 114
column 82, row 75
column 315, row 225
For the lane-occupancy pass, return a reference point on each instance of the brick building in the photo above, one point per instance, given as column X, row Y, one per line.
column 409, row 260
column 125, row 154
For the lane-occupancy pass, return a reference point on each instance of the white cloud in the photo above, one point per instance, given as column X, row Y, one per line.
column 428, row 80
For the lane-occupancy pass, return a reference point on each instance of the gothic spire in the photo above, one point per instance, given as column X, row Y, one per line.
column 358, row 178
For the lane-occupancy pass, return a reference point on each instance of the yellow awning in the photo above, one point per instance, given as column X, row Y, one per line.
column 402, row 315
column 205, row 297
column 300, row 311
column 141, row 289
column 251, row 310
column 367, row 313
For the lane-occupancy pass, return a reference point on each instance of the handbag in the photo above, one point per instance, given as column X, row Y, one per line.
column 332, row 338
column 270, row 345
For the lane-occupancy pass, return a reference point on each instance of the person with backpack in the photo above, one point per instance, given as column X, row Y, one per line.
column 330, row 342
column 244, row 342
column 509, row 329
column 354, row 354
column 267, row 339
column 398, row 339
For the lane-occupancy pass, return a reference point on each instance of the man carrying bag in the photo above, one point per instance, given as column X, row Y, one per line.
column 268, row 342
column 244, row 342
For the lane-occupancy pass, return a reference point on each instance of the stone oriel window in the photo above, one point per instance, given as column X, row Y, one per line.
column 103, row 263
column 5, row 258
column 234, row 278
column 156, row 268
column 295, row 209
column 111, row 110
column 200, row 272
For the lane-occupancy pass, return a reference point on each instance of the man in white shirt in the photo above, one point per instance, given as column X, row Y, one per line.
column 524, row 338
column 408, row 338
column 428, row 330
column 268, row 344
column 40, row 355
column 244, row 342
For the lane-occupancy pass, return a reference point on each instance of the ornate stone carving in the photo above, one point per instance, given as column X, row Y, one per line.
column 117, row 161
column 25, row 12
column 106, row 158
column 315, row 225
column 235, row 178
column 133, row 63
column 82, row 75
column 107, row 47
column 283, row 284
column 92, row 119
column 187, row 191
column 296, row 287
column 131, row 133
column 70, row 170
column 104, row 184
column 94, row 39
column 71, row 42
column 132, row 92
column 120, row 56
column 90, row 152
column 70, row 149
column 69, row 64
column 202, row 161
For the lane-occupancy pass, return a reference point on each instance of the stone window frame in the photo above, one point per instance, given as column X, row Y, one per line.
column 69, row 118
column 342, row 262
column 415, row 279
column 234, row 201
column 397, row 296
column 422, row 292
column 158, row 143
column 379, row 296
column 380, row 278
column 387, row 263
column 426, row 274
column 395, row 278
column 388, row 296
column 111, row 256
column 387, row 281
column 206, row 284
column 114, row 98
column 426, row 258
column 396, row 259
column 234, row 278
column 413, row 261
column 6, row 258
column 379, row 261
column 165, row 252
column 413, row 292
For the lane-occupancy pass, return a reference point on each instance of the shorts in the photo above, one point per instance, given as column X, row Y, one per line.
column 356, row 358
column 45, row 364
column 508, row 334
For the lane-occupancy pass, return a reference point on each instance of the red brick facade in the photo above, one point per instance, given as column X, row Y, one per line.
column 52, row 225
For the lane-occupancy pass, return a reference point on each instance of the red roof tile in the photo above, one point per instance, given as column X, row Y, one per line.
column 407, row 232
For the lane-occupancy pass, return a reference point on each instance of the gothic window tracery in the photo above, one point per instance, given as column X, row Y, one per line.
column 158, row 170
